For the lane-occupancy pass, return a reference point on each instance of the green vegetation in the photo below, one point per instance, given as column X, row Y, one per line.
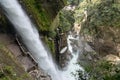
column 65, row 2
column 73, row 2
column 101, row 16
column 103, row 23
column 105, row 13
column 100, row 13
column 39, row 14
column 66, row 20
column 43, row 13
column 50, row 44
column 103, row 70
column 10, row 69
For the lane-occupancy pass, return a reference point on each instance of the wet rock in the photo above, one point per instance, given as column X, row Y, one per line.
column 77, row 28
column 64, row 59
column 63, row 50
column 69, row 8
column 39, row 75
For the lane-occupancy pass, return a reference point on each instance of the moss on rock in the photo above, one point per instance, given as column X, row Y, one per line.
column 10, row 68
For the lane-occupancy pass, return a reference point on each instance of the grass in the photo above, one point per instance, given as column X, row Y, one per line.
column 10, row 68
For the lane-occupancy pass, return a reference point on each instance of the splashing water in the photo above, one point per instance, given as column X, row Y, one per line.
column 29, row 35
column 31, row 39
column 73, row 67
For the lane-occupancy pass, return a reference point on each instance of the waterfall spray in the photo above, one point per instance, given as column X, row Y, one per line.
column 30, row 37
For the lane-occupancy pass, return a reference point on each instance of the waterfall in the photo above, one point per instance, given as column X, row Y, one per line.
column 30, row 37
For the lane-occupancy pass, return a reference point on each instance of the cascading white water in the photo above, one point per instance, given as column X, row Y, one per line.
column 73, row 67
column 31, row 39
column 29, row 35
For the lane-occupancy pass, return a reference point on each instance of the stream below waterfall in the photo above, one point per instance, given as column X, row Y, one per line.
column 73, row 66
column 30, row 37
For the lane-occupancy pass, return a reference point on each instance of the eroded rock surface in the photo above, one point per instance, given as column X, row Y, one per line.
column 26, row 61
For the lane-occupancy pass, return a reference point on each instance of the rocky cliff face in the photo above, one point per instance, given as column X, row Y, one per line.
column 42, row 13
column 98, row 21
column 101, row 31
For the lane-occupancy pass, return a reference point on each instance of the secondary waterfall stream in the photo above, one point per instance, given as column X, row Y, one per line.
column 30, row 37
column 73, row 67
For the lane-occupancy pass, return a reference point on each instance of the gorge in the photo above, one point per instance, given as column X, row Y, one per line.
column 30, row 38
column 79, row 42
